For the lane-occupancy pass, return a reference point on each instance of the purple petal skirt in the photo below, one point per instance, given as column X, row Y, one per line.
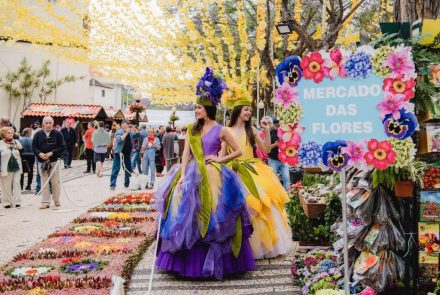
column 182, row 249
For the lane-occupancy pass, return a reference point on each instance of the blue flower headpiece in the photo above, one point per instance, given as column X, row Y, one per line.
column 289, row 68
column 210, row 88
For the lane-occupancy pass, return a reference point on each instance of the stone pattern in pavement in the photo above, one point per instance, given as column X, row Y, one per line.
column 272, row 276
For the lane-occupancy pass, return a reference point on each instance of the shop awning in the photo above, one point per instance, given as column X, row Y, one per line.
column 85, row 111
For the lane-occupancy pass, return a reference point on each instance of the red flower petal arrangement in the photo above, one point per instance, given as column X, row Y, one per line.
column 83, row 256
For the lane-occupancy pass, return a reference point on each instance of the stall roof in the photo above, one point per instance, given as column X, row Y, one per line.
column 87, row 111
column 131, row 116
column 114, row 113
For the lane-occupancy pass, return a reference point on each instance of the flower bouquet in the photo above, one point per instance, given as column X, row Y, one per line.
column 137, row 107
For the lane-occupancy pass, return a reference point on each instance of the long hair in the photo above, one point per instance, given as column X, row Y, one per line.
column 247, row 125
column 211, row 111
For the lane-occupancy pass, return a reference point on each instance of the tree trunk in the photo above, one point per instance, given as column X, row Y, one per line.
column 411, row 10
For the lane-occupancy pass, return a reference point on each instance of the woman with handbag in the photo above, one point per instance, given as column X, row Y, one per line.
column 10, row 168
column 27, row 158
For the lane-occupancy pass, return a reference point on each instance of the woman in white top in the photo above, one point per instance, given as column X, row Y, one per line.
column 10, row 168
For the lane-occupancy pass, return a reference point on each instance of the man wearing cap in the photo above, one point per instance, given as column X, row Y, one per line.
column 122, row 147
column 274, row 162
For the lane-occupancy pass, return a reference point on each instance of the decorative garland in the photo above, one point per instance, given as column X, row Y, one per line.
column 394, row 64
column 86, row 253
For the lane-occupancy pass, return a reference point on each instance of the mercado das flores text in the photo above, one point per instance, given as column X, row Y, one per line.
column 343, row 107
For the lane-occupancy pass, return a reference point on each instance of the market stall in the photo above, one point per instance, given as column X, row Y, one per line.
column 357, row 115
column 113, row 115
column 81, row 113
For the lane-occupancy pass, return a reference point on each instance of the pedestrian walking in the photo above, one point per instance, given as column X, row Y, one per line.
column 48, row 145
column 69, row 135
column 160, row 160
column 87, row 138
column 100, row 140
column 274, row 162
column 10, row 168
column 136, row 141
column 149, row 147
column 122, row 148
column 168, row 147
column 27, row 158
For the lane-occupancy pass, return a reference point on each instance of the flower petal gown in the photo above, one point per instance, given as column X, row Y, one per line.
column 195, row 245
column 271, row 236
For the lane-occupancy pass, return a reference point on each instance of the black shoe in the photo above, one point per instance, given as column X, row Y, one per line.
column 86, row 171
column 112, row 188
column 8, row 207
column 28, row 188
column 65, row 166
column 17, row 206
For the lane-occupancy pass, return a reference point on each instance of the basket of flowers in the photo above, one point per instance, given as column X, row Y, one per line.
column 137, row 107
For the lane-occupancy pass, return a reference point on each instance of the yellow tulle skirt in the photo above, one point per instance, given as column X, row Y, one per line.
column 271, row 236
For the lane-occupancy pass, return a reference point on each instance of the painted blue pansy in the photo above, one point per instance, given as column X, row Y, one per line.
column 289, row 69
column 402, row 128
column 332, row 155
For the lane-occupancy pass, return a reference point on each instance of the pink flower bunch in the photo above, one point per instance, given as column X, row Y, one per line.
column 286, row 95
column 335, row 65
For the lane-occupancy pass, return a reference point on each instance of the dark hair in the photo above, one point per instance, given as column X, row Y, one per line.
column 168, row 129
column 247, row 125
column 211, row 111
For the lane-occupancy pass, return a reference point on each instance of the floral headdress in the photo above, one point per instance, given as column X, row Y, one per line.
column 236, row 95
column 210, row 88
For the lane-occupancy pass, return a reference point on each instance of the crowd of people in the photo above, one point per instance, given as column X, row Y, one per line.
column 37, row 148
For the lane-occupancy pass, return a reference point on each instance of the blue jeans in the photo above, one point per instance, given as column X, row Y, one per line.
column 277, row 166
column 150, row 164
column 136, row 160
column 38, row 178
column 68, row 156
column 117, row 166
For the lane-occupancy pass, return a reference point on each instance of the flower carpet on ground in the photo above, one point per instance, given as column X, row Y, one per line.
column 83, row 256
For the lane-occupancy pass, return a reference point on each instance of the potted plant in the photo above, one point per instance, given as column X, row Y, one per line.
column 401, row 180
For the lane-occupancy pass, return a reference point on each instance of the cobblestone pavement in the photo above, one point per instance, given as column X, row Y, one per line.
column 272, row 276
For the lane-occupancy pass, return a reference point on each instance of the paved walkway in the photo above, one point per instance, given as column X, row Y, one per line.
column 272, row 276
column 23, row 227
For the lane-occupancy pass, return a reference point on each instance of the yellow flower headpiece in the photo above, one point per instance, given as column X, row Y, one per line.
column 237, row 95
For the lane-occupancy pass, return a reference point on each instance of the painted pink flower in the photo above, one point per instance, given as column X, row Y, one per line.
column 288, row 152
column 335, row 65
column 312, row 66
column 286, row 95
column 392, row 103
column 400, row 63
column 290, row 133
column 380, row 154
column 398, row 85
column 356, row 153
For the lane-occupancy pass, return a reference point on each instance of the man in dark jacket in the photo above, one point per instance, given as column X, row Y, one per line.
column 168, row 147
column 69, row 135
column 48, row 146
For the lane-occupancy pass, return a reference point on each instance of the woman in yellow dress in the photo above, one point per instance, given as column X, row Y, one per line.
column 267, row 197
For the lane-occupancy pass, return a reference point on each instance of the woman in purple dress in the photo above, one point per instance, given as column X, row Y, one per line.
column 205, row 226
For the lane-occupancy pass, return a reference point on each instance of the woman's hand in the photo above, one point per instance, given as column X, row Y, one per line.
column 179, row 183
column 212, row 158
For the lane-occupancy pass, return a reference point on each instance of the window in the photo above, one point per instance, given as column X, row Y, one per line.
column 103, row 93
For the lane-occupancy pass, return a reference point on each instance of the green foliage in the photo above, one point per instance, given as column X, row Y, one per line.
column 414, row 171
column 314, row 230
column 22, row 83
